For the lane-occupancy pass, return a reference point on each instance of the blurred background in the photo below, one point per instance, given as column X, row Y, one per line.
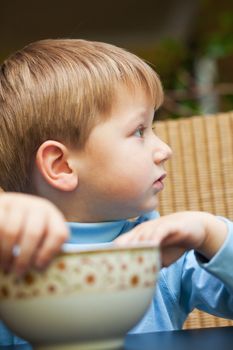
column 188, row 42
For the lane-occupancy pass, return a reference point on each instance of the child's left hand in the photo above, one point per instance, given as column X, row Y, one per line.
column 176, row 233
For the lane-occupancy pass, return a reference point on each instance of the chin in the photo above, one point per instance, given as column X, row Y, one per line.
column 151, row 205
column 144, row 210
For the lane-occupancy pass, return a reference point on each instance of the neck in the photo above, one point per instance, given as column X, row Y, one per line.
column 77, row 209
column 79, row 206
column 87, row 213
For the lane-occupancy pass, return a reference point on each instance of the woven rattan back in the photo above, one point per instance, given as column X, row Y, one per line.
column 200, row 176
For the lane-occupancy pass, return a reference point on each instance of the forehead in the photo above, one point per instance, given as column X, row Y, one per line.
column 136, row 99
column 128, row 106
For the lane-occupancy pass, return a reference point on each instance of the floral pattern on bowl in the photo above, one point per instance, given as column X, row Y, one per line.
column 85, row 272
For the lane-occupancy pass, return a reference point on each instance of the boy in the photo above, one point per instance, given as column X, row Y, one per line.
column 76, row 128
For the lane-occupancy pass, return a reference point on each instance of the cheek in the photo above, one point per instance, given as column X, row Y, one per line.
column 121, row 169
column 128, row 183
column 136, row 168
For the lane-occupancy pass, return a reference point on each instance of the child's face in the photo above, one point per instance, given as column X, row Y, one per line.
column 120, row 167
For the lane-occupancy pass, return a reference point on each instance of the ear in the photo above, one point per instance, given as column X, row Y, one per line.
column 52, row 160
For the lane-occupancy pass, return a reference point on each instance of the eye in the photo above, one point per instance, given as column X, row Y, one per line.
column 139, row 132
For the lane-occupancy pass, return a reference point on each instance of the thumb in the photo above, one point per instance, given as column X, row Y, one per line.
column 170, row 254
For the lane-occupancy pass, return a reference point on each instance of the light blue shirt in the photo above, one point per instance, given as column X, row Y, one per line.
column 187, row 284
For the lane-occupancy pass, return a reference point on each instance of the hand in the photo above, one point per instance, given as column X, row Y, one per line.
column 176, row 233
column 33, row 224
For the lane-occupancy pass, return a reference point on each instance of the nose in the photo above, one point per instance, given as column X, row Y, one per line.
column 162, row 152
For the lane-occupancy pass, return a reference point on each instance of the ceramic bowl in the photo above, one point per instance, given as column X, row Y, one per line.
column 85, row 299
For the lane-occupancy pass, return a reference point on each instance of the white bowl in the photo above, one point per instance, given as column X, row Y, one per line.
column 86, row 299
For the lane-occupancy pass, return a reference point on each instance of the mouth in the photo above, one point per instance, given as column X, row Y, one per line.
column 158, row 184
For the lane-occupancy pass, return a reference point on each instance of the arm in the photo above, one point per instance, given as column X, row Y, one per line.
column 208, row 285
column 203, row 281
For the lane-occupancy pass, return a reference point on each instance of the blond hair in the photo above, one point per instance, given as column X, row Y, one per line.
column 55, row 89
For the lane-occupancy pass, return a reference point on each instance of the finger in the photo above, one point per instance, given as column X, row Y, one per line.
column 143, row 236
column 56, row 234
column 3, row 224
column 170, row 255
column 33, row 232
column 11, row 226
column 141, row 233
column 124, row 238
column 164, row 234
column 131, row 236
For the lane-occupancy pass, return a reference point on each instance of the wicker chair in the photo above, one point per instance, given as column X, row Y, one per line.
column 200, row 176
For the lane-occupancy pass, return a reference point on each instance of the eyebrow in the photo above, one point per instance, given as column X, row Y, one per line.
column 134, row 121
column 143, row 116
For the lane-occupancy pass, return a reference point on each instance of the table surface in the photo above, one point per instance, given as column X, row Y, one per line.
column 197, row 339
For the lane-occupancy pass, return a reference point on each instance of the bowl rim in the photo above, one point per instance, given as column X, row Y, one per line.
column 94, row 248
column 74, row 248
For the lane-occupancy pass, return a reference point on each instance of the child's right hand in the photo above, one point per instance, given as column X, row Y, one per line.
column 33, row 224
